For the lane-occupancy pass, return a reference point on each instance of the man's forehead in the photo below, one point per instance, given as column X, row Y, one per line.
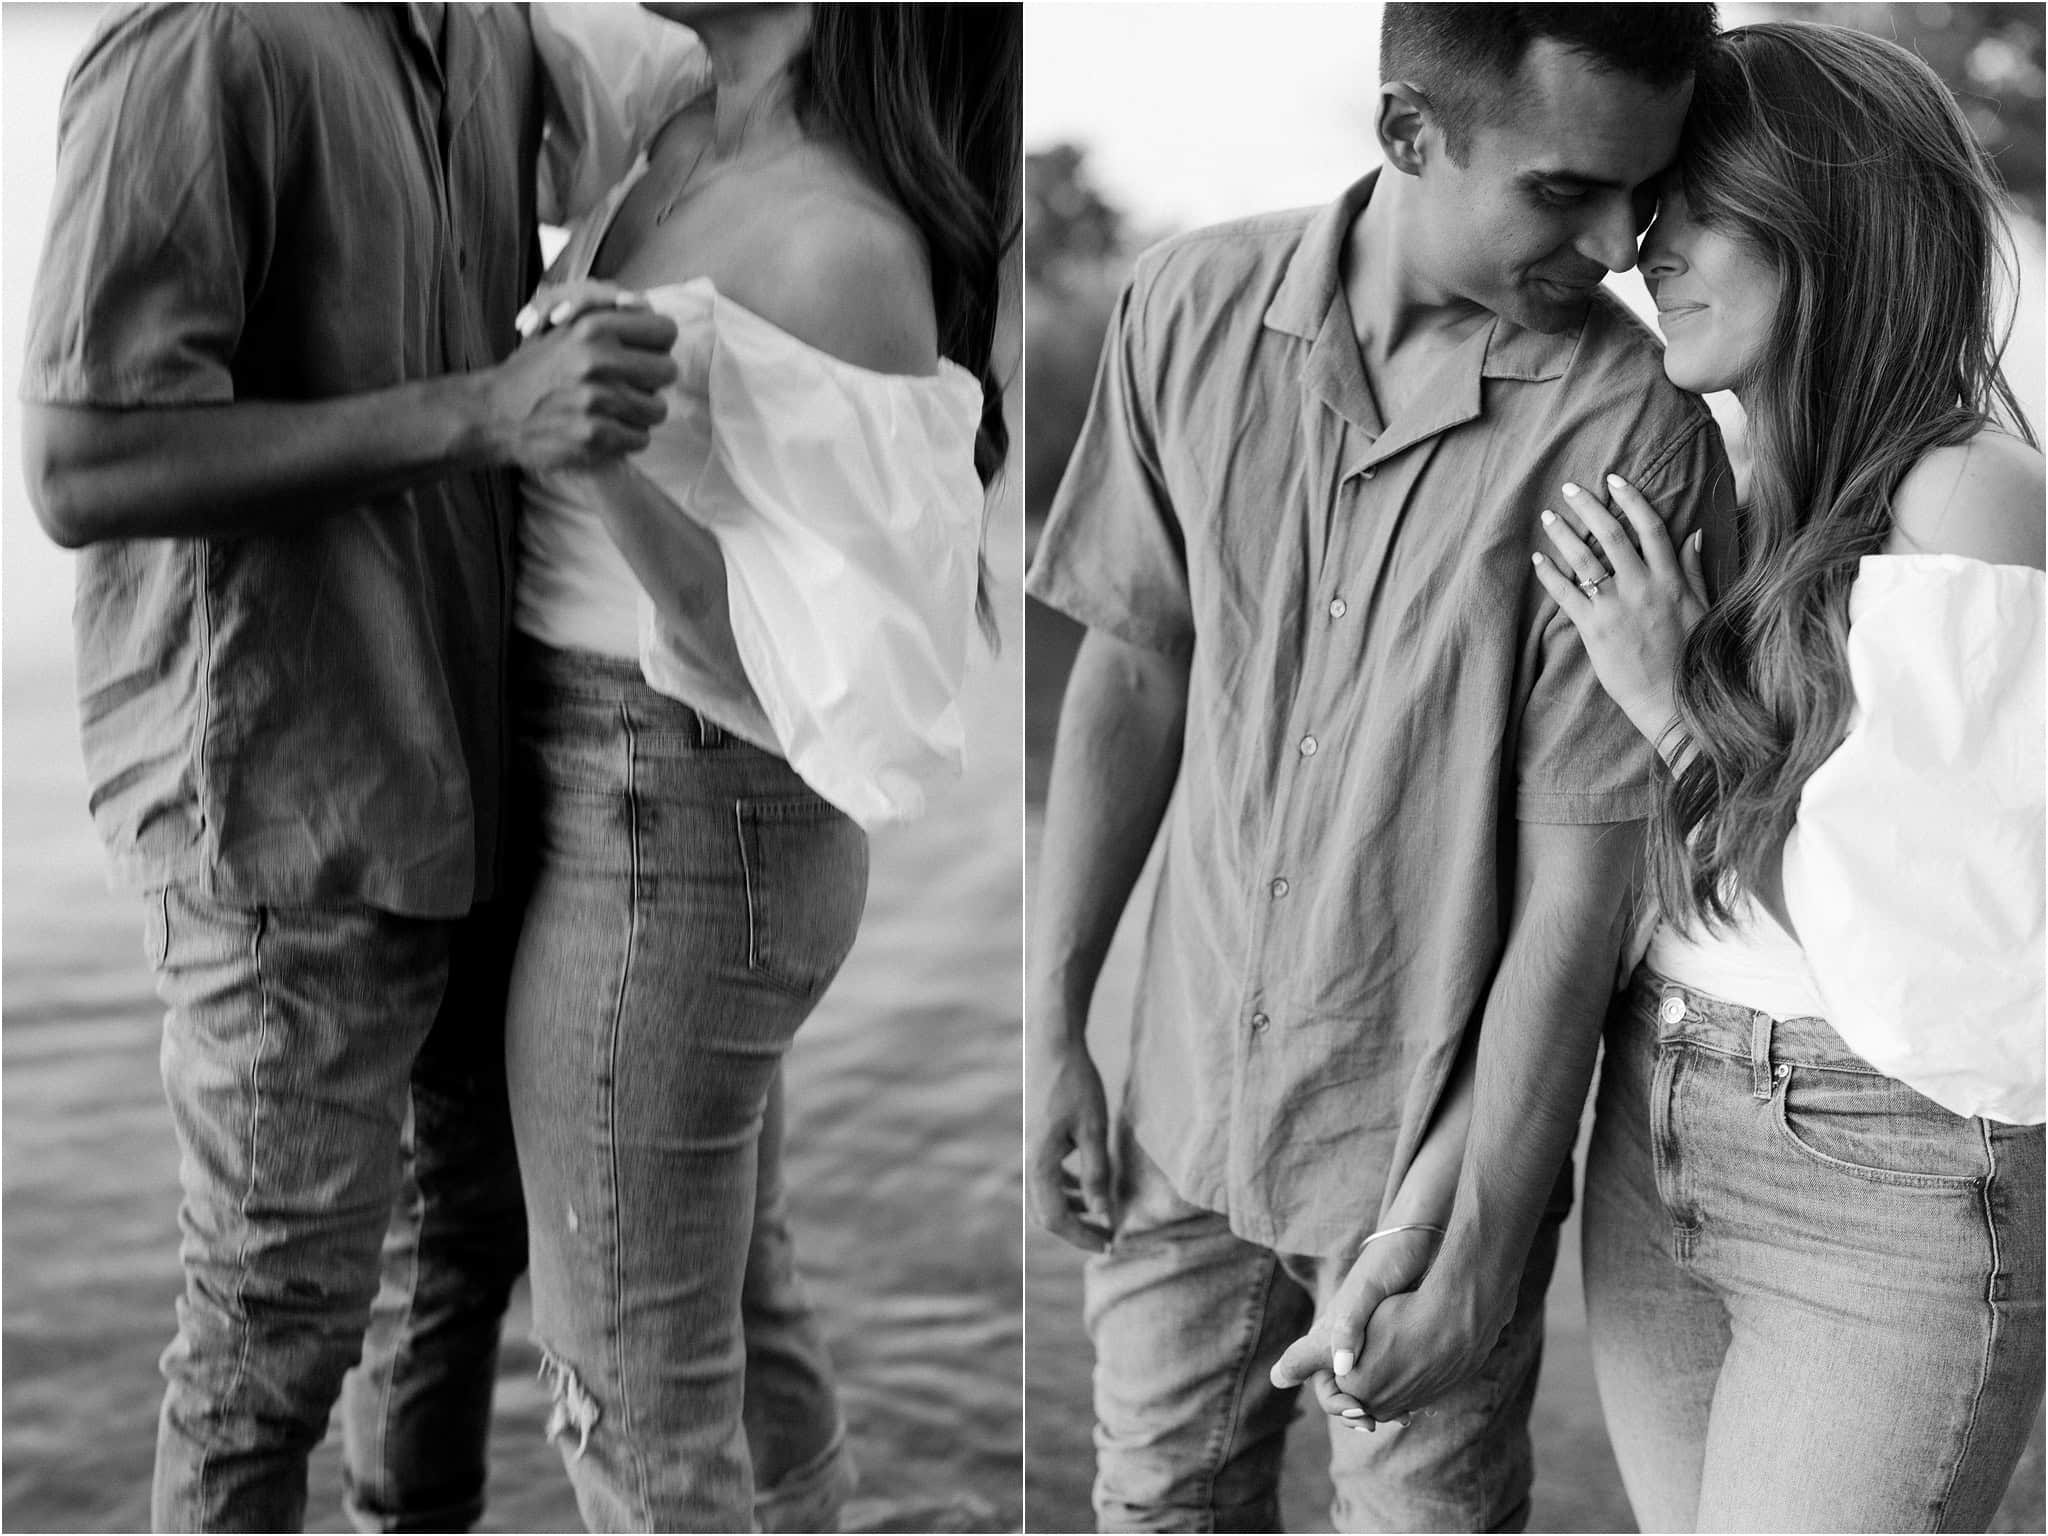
column 1569, row 119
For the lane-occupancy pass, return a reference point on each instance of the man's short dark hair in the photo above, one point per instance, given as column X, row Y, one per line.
column 1464, row 57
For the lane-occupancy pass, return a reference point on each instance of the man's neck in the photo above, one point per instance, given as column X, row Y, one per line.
column 1403, row 318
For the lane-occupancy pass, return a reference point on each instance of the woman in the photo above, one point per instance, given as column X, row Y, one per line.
column 826, row 226
column 1813, row 1200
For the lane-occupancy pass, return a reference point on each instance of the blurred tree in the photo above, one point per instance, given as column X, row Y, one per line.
column 1990, row 55
column 1077, row 251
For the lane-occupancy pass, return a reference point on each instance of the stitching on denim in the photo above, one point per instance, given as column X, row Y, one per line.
column 390, row 1385
column 1933, row 1183
column 1233, row 1416
column 1988, row 1204
column 629, row 1441
column 218, row 1408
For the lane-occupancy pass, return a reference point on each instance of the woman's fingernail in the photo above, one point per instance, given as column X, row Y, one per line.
column 1699, row 538
column 1342, row 1360
column 1547, row 518
column 1538, row 558
column 525, row 321
column 561, row 313
column 1617, row 480
column 1572, row 490
column 1354, row 1413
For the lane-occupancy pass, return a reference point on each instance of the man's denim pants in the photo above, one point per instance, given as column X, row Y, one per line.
column 691, row 899
column 1187, row 1319
column 1814, row 1296
column 335, row 1077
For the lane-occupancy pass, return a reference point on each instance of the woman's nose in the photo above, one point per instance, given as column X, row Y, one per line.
column 1659, row 257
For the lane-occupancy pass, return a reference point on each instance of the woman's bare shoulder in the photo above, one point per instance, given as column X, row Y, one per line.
column 848, row 275
column 1981, row 498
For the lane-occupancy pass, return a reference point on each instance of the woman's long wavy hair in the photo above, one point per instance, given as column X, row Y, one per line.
column 1841, row 160
column 928, row 98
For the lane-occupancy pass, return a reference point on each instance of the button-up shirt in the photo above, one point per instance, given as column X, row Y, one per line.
column 1378, row 689
column 295, row 202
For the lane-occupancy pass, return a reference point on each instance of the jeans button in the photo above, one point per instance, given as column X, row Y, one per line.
column 1673, row 1010
column 1259, row 1022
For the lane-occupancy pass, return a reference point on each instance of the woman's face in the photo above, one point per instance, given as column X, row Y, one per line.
column 1716, row 298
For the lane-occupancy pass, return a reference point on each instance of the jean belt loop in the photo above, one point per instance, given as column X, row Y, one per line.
column 1760, row 1055
column 708, row 733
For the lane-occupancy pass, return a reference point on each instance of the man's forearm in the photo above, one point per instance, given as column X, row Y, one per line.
column 247, row 467
column 1114, row 764
column 1538, row 1039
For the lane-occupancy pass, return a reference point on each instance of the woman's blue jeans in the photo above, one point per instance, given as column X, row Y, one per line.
column 1814, row 1295
column 691, row 899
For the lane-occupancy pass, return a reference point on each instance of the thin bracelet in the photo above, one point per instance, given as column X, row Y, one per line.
column 1406, row 1226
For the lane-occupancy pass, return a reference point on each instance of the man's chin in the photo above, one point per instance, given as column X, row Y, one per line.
column 1550, row 307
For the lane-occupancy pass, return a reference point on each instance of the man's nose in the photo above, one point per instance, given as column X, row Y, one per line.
column 1612, row 240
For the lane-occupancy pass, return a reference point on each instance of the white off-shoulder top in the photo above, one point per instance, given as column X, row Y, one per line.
column 1914, row 873
column 848, row 510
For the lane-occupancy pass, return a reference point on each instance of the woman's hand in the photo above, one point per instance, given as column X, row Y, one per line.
column 1331, row 1347
column 1634, row 610
column 555, row 305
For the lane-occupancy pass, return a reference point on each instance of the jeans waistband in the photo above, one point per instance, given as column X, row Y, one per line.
column 560, row 679
column 1687, row 1016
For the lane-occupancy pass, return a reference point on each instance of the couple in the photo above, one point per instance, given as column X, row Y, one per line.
column 1425, row 630
column 441, row 738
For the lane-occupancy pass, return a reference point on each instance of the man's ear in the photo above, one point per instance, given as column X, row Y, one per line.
column 1403, row 123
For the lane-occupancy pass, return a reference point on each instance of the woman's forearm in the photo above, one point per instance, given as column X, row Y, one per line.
column 1431, row 1182
column 676, row 559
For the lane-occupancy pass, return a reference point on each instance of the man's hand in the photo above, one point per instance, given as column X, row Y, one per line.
column 1425, row 1342
column 1331, row 1347
column 1069, row 1179
column 583, row 394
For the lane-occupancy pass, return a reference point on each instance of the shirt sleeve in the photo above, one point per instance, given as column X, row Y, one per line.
column 161, row 219
column 1579, row 760
column 614, row 75
column 1113, row 556
column 1914, row 873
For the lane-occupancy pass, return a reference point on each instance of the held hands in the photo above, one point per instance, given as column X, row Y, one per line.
column 1327, row 1355
column 1069, row 1175
column 1633, row 618
column 585, row 385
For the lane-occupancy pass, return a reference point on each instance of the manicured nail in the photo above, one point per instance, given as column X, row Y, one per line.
column 1616, row 480
column 1698, row 537
column 525, row 321
column 1342, row 1360
column 1572, row 490
column 1354, row 1413
column 562, row 312
column 1538, row 558
column 1547, row 518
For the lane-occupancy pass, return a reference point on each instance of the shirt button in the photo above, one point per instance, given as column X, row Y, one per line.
column 1259, row 1022
column 1673, row 1010
column 1308, row 746
column 1279, row 887
column 1338, row 608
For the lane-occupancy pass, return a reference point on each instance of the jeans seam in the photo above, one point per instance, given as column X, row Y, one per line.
column 1233, row 1418
column 628, row 1439
column 248, row 1195
column 1987, row 1197
column 390, row 1382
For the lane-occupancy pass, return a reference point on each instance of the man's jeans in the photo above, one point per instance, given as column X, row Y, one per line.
column 1187, row 1320
column 1814, row 1296
column 691, row 899
column 305, row 1048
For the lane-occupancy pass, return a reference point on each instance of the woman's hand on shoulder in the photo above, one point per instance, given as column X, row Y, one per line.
column 1981, row 499
column 1632, row 609
column 851, row 281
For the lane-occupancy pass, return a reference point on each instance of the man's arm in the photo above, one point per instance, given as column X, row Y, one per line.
column 1114, row 764
column 1538, row 1037
column 577, row 397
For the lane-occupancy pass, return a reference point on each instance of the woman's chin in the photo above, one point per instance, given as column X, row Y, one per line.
column 1690, row 373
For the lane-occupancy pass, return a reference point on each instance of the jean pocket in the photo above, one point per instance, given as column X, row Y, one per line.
column 806, row 867
column 1876, row 1129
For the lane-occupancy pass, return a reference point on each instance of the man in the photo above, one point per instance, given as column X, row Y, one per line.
column 1396, row 807
column 269, row 398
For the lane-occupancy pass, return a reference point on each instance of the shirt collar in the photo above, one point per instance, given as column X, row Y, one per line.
column 1315, row 277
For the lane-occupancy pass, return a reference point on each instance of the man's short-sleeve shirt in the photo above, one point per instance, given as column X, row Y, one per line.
column 1378, row 689
column 288, row 203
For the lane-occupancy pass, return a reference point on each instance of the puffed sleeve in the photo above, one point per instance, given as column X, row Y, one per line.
column 848, row 510
column 161, row 220
column 1914, row 873
column 614, row 74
